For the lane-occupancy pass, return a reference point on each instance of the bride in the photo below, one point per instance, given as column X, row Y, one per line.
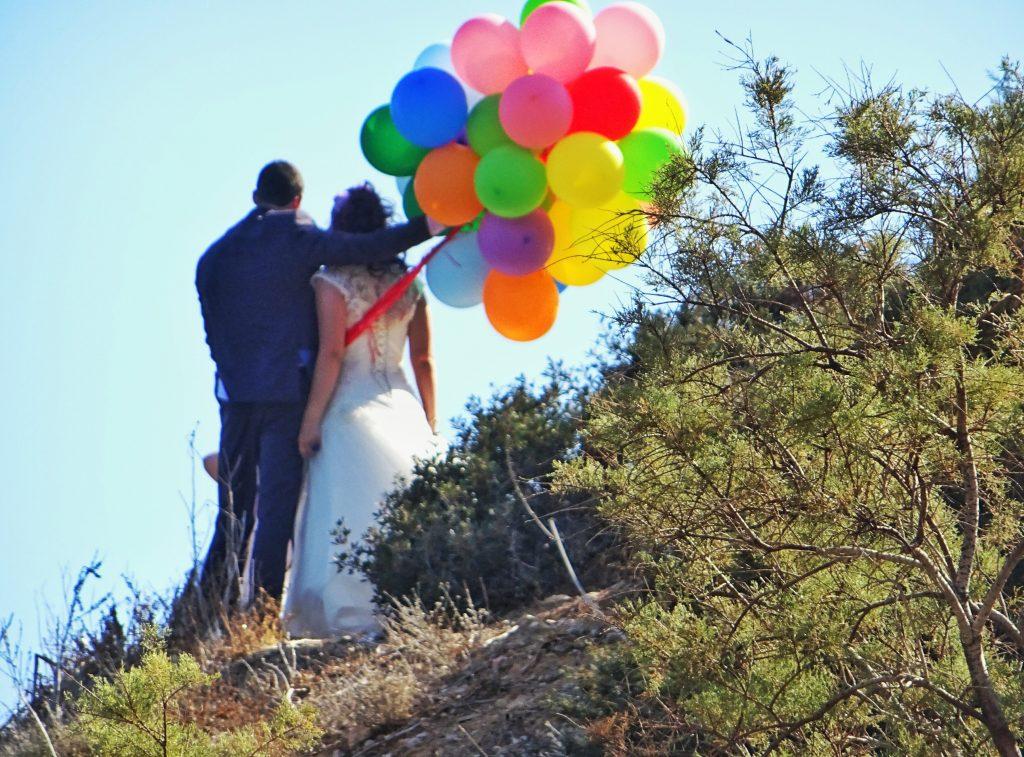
column 362, row 429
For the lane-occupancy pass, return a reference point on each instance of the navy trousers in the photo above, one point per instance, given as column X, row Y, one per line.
column 261, row 473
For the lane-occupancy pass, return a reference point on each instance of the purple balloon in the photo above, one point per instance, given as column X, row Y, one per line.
column 517, row 246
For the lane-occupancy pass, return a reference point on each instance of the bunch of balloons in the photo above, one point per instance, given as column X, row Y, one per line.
column 542, row 141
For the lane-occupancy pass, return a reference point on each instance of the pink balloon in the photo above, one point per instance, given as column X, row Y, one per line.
column 558, row 39
column 517, row 246
column 630, row 37
column 486, row 54
column 536, row 111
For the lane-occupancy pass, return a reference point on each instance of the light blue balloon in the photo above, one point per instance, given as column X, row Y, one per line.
column 457, row 273
column 438, row 55
column 402, row 182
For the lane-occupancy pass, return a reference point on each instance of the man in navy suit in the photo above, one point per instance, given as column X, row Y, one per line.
column 260, row 317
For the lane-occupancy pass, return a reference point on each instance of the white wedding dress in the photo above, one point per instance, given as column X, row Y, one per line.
column 373, row 432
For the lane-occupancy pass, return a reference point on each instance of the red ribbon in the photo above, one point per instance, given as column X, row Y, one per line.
column 394, row 293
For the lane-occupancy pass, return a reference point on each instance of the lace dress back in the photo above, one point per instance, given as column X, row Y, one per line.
column 379, row 354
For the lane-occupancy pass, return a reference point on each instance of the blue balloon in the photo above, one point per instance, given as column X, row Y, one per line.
column 439, row 55
column 429, row 107
column 457, row 273
column 561, row 287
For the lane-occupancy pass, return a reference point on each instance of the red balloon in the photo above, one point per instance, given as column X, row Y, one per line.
column 606, row 101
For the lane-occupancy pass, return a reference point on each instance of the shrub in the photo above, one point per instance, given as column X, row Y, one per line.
column 457, row 527
column 139, row 711
column 822, row 471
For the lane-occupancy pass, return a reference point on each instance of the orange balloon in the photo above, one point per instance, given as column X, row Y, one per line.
column 444, row 185
column 522, row 308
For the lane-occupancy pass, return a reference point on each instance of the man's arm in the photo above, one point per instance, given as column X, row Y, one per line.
column 337, row 248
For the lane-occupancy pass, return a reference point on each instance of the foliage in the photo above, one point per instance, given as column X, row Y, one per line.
column 139, row 711
column 457, row 526
column 818, row 449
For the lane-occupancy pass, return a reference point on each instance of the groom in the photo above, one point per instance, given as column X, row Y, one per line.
column 260, row 317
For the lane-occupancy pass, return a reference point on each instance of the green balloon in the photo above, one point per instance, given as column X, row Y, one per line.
column 646, row 152
column 484, row 130
column 410, row 205
column 387, row 150
column 511, row 182
column 533, row 5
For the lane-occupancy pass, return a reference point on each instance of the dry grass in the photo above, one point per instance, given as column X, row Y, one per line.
column 357, row 689
column 377, row 687
column 240, row 699
column 439, row 680
column 26, row 741
column 244, row 633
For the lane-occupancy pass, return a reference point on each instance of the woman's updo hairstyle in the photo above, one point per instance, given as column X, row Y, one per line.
column 360, row 210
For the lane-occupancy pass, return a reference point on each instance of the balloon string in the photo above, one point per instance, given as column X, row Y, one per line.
column 394, row 293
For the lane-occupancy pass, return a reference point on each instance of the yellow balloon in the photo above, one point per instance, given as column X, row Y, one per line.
column 568, row 264
column 611, row 236
column 586, row 170
column 664, row 106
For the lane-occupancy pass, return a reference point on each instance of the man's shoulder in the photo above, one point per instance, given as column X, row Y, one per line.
column 209, row 257
column 290, row 224
column 226, row 240
column 235, row 231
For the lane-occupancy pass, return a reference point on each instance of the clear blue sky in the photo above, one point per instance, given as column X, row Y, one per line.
column 131, row 136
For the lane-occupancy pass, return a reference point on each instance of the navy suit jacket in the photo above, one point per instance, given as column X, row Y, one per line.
column 258, row 305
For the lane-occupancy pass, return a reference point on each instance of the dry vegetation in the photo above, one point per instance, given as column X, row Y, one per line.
column 440, row 681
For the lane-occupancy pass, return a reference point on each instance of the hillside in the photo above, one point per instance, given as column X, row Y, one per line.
column 429, row 687
column 499, row 694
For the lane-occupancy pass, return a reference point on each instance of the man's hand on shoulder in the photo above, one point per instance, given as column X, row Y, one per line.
column 436, row 228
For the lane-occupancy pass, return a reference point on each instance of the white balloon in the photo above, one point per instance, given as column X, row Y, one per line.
column 473, row 97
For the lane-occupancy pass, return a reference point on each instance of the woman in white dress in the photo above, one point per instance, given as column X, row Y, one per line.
column 363, row 429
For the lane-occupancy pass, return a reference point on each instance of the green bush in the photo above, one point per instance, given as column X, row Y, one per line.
column 457, row 527
column 822, row 472
column 143, row 711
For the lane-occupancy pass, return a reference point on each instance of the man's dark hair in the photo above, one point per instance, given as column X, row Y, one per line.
column 278, row 184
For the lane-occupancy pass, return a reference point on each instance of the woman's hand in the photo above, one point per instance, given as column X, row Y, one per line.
column 310, row 439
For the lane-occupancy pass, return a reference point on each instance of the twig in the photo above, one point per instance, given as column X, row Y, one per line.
column 472, row 740
column 551, row 532
column 39, row 724
column 565, row 558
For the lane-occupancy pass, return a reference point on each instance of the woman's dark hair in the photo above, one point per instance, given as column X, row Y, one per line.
column 360, row 210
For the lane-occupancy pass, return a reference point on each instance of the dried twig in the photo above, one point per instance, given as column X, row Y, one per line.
column 551, row 532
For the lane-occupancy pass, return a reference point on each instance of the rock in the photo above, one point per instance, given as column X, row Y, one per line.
column 555, row 601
